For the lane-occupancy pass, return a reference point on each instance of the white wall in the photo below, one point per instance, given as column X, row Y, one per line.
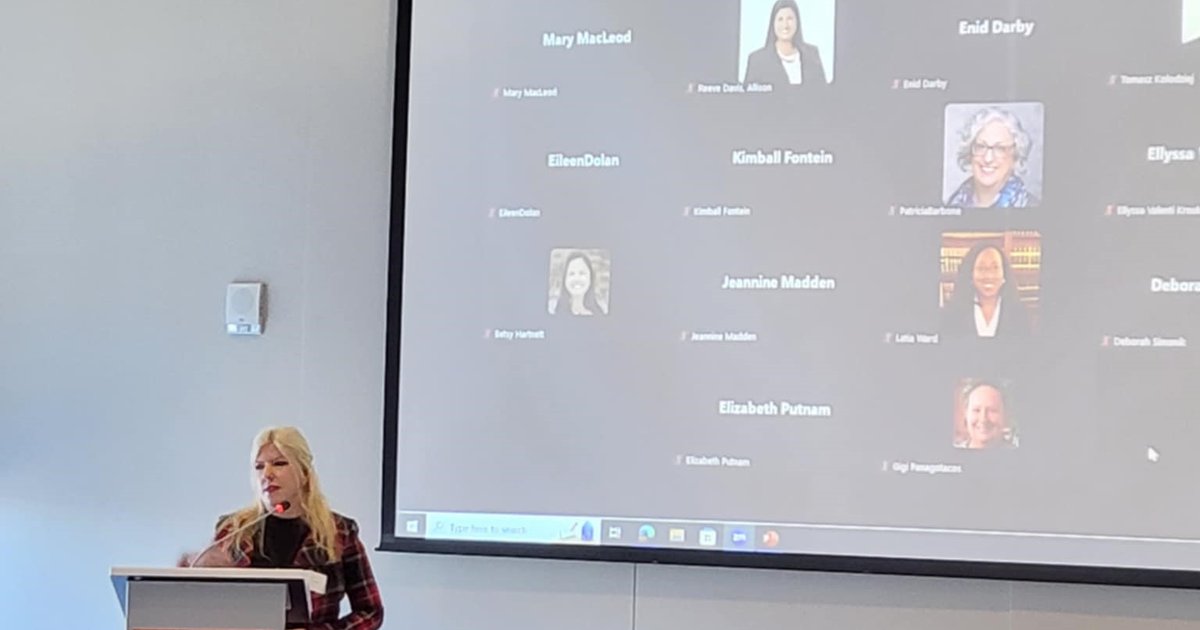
column 152, row 151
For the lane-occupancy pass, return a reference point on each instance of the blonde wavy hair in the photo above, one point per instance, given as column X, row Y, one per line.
column 314, row 508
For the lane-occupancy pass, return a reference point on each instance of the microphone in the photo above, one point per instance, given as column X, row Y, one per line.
column 278, row 508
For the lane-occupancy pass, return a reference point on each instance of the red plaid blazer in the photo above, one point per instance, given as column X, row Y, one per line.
column 351, row 577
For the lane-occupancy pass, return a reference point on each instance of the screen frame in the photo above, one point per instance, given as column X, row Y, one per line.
column 389, row 542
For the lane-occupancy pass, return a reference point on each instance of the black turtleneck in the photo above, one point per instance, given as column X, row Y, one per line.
column 282, row 538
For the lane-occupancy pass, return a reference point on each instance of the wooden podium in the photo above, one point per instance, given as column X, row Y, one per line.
column 228, row 599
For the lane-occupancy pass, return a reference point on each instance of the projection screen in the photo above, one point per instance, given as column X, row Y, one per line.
column 859, row 285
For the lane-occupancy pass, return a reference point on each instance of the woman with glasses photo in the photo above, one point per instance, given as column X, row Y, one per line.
column 994, row 149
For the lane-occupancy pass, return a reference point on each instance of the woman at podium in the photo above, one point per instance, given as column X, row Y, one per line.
column 290, row 525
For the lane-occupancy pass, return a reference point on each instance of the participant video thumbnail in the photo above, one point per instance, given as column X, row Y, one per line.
column 579, row 282
column 993, row 155
column 984, row 417
column 1190, row 20
column 798, row 49
column 990, row 284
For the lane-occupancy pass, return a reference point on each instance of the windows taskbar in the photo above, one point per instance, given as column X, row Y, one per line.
column 1036, row 556
column 1089, row 549
column 585, row 530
